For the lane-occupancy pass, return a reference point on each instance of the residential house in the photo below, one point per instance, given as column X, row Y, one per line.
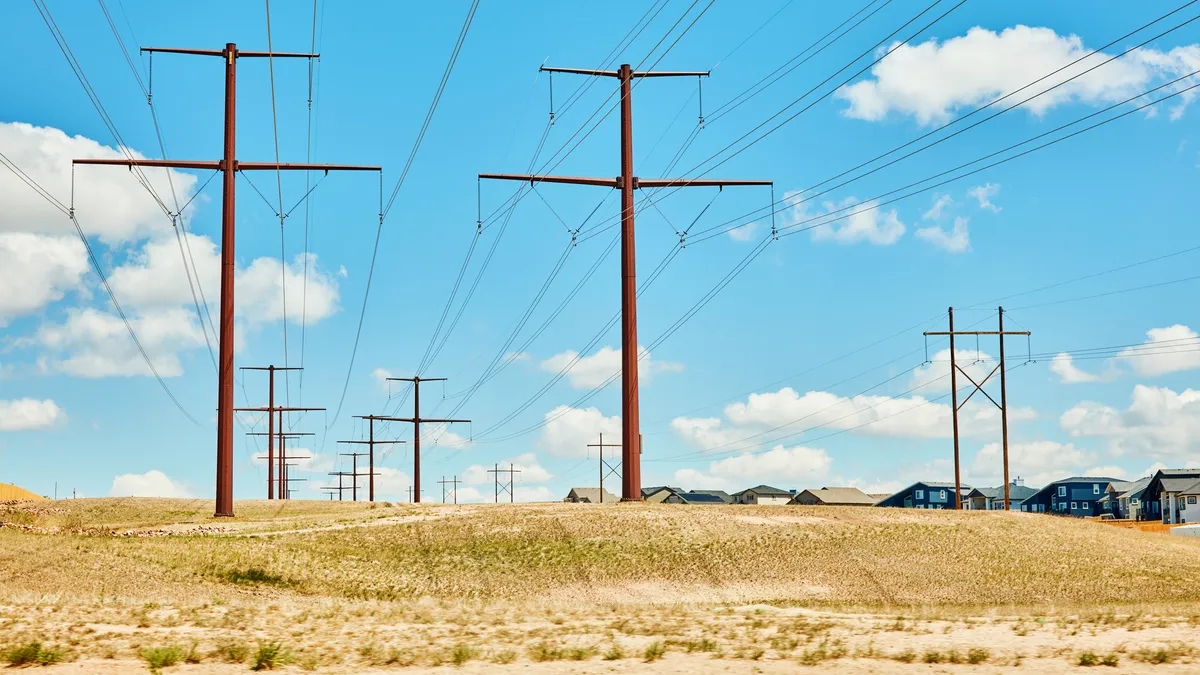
column 835, row 496
column 1167, row 491
column 662, row 494
column 992, row 499
column 1124, row 500
column 924, row 495
column 1078, row 496
column 764, row 494
column 724, row 496
column 590, row 496
column 695, row 497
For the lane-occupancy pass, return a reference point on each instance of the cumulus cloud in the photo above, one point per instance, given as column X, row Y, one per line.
column 955, row 240
column 91, row 343
column 792, row 467
column 153, row 483
column 531, row 471
column 983, row 194
column 1167, row 350
column 568, row 430
column 586, row 372
column 109, row 201
column 1068, row 373
column 1037, row 462
column 1158, row 424
column 37, row 270
column 856, row 223
column 940, row 203
column 931, row 81
column 24, row 414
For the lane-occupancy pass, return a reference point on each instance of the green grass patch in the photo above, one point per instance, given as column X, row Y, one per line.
column 253, row 576
column 32, row 654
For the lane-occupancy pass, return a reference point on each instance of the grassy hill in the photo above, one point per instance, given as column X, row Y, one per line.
column 149, row 549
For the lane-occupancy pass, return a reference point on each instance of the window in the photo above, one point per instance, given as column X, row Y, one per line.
column 1096, row 488
column 1191, row 500
column 920, row 494
column 1087, row 506
column 1074, row 506
column 942, row 495
column 1133, row 501
column 1062, row 490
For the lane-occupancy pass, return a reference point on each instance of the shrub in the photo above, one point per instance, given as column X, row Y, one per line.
column 461, row 654
column 933, row 656
column 504, row 657
column 580, row 653
column 1111, row 660
column 232, row 652
column 614, row 653
column 162, row 657
column 31, row 654
column 1088, row 659
column 270, row 655
column 654, row 652
column 978, row 655
column 906, row 656
column 545, row 651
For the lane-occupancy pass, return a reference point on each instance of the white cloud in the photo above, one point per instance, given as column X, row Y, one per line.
column 940, row 203
column 793, row 467
column 37, row 270
column 936, row 373
column 931, row 81
column 743, row 232
column 587, row 372
column 983, row 194
column 531, row 471
column 516, row 356
column 569, row 430
column 1108, row 471
column 91, row 343
column 1167, row 350
column 864, row 224
column 1158, row 424
column 109, row 201
column 1037, row 462
column 24, row 414
column 153, row 483
column 1068, row 373
column 538, row 493
column 956, row 240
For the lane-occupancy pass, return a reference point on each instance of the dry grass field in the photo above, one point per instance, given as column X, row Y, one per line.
column 138, row 585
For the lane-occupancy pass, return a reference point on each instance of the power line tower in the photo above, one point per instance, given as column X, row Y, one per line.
column 505, row 487
column 272, row 460
column 271, row 370
column 453, row 488
column 285, row 482
column 371, row 443
column 631, row 437
column 340, row 487
column 606, row 469
column 416, row 420
column 955, row 371
column 229, row 166
column 354, row 468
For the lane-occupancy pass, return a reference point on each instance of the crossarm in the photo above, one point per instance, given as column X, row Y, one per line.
column 574, row 180
column 695, row 182
column 238, row 166
column 221, row 53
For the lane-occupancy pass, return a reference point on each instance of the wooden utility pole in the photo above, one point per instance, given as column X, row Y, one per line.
column 354, row 464
column 631, row 437
column 340, row 486
column 229, row 166
column 416, row 420
column 285, row 482
column 271, row 459
column 453, row 488
column 956, row 370
column 371, row 443
column 278, row 462
column 606, row 469
column 505, row 487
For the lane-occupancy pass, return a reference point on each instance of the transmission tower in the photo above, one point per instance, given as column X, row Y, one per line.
column 506, row 486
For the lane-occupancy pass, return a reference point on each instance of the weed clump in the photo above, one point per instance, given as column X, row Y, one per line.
column 654, row 651
column 614, row 653
column 253, row 576
column 461, row 654
column 545, row 651
column 232, row 652
column 270, row 655
column 32, row 654
column 158, row 658
column 977, row 655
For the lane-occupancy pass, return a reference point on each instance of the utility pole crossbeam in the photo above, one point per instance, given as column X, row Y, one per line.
column 271, row 410
column 606, row 469
column 229, row 166
column 340, row 486
column 453, row 488
column 270, row 456
column 626, row 182
column 955, row 371
column 354, row 469
column 505, row 487
column 270, row 422
column 371, row 443
column 416, row 420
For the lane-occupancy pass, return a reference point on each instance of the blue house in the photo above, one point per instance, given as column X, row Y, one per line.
column 925, row 495
column 1078, row 496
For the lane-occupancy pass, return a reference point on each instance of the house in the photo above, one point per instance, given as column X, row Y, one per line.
column 1124, row 500
column 925, row 495
column 590, row 496
column 695, row 497
column 1168, row 490
column 992, row 499
column 1077, row 496
column 835, row 496
column 662, row 494
column 724, row 496
column 764, row 494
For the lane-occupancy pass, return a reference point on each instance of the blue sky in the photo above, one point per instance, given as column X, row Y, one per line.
column 801, row 372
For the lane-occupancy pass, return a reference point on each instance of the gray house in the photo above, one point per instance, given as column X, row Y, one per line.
column 591, row 496
column 992, row 499
column 1077, row 496
column 724, row 496
column 836, row 496
column 1124, row 500
column 1161, row 498
column 925, row 495
column 764, row 494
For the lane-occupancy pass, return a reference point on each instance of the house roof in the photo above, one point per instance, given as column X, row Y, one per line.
column 723, row 495
column 701, row 498
column 1134, row 488
column 647, row 491
column 1016, row 493
column 1193, row 489
column 767, row 491
column 591, row 494
column 840, row 495
column 966, row 489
